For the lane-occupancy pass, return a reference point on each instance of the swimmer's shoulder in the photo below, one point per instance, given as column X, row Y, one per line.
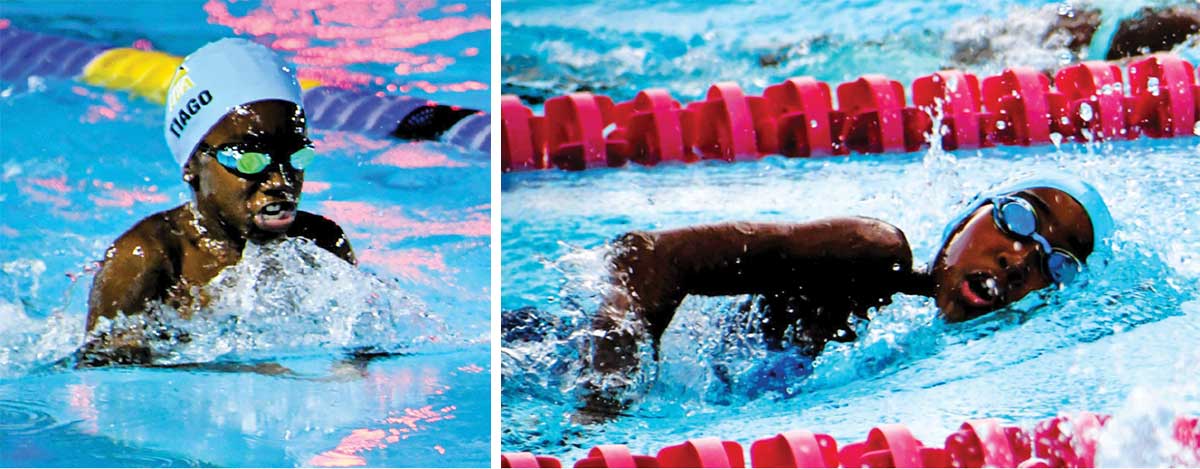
column 134, row 269
column 157, row 236
column 324, row 232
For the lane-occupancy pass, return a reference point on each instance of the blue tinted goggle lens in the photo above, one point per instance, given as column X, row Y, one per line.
column 253, row 162
column 1018, row 217
column 1062, row 267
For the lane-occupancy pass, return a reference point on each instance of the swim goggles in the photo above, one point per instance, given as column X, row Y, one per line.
column 247, row 161
column 1015, row 216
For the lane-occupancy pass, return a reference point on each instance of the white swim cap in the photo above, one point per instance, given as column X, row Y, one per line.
column 216, row 78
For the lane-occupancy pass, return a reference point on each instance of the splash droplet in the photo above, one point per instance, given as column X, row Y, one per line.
column 1085, row 112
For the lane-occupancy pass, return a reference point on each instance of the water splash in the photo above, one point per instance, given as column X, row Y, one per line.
column 1142, row 433
column 283, row 298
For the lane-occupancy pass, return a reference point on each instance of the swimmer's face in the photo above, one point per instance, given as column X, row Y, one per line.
column 255, row 206
column 982, row 268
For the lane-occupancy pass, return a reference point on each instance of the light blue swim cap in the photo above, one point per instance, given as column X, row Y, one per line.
column 216, row 78
column 1082, row 192
column 1112, row 13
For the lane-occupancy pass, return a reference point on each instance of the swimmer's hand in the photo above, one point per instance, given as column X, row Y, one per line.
column 119, row 348
column 91, row 355
column 598, row 409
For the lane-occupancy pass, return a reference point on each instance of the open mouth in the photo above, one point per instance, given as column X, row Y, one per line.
column 276, row 217
column 980, row 290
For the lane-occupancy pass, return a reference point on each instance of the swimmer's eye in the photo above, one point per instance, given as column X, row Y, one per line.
column 253, row 162
column 249, row 162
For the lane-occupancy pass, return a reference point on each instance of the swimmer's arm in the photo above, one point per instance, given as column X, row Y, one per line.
column 638, row 306
column 325, row 233
column 133, row 272
column 653, row 272
column 759, row 258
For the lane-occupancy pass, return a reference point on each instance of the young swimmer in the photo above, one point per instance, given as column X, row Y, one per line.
column 810, row 277
column 1110, row 31
column 235, row 123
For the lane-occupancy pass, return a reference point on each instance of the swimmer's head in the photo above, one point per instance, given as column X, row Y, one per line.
column 235, row 122
column 1016, row 240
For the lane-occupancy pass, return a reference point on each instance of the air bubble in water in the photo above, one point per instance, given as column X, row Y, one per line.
column 1000, row 125
column 1152, row 86
column 1196, row 128
column 1056, row 138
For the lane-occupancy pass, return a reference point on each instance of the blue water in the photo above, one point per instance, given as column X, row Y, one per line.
column 1123, row 341
column 79, row 165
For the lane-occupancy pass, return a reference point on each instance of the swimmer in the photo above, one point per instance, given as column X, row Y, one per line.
column 1099, row 32
column 235, row 124
column 809, row 278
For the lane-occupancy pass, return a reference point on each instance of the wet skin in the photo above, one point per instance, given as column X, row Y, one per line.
column 1147, row 31
column 979, row 254
column 813, row 276
column 170, row 255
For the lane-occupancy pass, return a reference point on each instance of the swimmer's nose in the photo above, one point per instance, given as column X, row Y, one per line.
column 280, row 179
column 1016, row 268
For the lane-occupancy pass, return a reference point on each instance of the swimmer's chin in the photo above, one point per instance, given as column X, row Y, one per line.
column 956, row 310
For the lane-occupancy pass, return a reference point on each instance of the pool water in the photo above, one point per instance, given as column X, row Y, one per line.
column 1123, row 341
column 81, row 164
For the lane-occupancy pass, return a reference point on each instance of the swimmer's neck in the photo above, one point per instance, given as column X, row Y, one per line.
column 919, row 282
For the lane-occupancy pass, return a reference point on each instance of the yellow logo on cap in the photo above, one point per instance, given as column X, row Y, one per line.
column 179, row 85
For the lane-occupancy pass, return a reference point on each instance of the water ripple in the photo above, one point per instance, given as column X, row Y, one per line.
column 22, row 418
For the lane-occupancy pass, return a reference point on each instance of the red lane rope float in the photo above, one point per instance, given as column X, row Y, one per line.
column 527, row 460
column 796, row 448
column 796, row 118
column 1024, row 106
column 803, row 111
column 1163, row 91
column 723, row 125
column 521, row 144
column 616, row 456
column 652, row 124
column 876, row 104
column 957, row 94
column 1064, row 441
column 575, row 131
column 703, row 452
column 1096, row 85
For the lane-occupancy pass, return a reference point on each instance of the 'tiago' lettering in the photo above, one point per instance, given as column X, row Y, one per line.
column 189, row 111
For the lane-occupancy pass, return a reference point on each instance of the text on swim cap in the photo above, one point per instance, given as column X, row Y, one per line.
column 187, row 112
column 182, row 84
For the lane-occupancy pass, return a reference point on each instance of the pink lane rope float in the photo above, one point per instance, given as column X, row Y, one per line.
column 796, row 118
column 1065, row 441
